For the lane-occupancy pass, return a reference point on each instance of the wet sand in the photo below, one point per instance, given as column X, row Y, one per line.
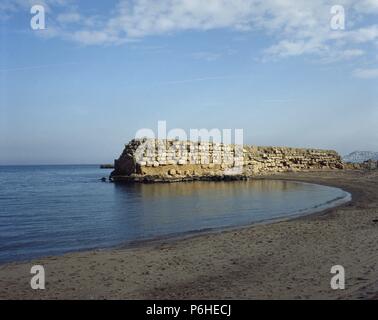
column 282, row 260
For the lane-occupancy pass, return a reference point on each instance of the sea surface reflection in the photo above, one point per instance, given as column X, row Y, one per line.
column 48, row 210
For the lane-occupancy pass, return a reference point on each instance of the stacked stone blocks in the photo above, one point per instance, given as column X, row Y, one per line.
column 174, row 158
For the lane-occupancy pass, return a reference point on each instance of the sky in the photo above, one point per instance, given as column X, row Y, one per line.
column 77, row 91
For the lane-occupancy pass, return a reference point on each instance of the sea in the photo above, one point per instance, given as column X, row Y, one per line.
column 52, row 210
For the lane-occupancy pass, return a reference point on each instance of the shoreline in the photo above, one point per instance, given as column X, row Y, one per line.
column 150, row 281
column 320, row 209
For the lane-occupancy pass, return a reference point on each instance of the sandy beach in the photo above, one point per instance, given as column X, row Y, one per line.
column 282, row 260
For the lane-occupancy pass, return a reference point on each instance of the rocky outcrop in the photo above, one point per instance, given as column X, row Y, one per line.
column 370, row 165
column 360, row 156
column 150, row 160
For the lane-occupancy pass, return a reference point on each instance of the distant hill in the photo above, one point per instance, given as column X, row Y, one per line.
column 360, row 156
column 107, row 166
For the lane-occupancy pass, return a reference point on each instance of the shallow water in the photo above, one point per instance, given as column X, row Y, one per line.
column 47, row 210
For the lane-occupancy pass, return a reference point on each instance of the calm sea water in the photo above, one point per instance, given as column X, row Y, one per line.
column 48, row 210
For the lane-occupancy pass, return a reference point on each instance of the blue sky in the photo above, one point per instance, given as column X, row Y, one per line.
column 79, row 90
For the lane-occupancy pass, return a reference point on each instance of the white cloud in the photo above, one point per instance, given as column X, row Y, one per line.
column 145, row 17
column 93, row 37
column 293, row 27
column 207, row 56
column 367, row 34
column 366, row 73
column 213, row 55
column 352, row 53
column 69, row 17
column 287, row 48
column 367, row 6
column 11, row 6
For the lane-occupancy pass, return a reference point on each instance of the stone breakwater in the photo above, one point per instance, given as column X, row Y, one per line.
column 151, row 160
column 366, row 165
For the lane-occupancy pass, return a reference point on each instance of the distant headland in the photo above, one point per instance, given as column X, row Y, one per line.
column 107, row 166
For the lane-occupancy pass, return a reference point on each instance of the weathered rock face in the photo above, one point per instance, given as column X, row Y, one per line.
column 370, row 164
column 151, row 160
column 366, row 165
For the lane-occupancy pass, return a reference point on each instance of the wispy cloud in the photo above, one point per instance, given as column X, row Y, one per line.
column 44, row 66
column 294, row 27
column 213, row 55
column 207, row 56
column 173, row 82
column 366, row 73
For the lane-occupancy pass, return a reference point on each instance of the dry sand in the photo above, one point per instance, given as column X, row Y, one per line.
column 283, row 260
